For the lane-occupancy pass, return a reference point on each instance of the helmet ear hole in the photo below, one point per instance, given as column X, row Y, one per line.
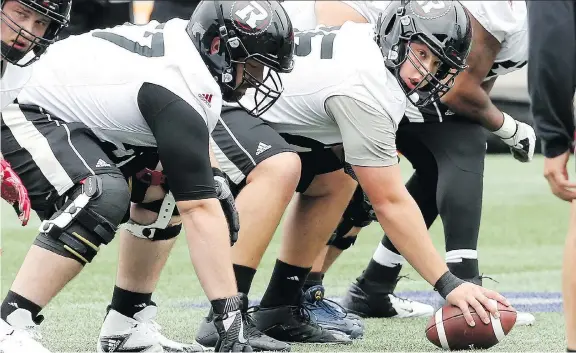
column 215, row 46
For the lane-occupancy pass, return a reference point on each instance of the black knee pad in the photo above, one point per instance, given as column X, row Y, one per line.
column 88, row 217
column 359, row 211
column 342, row 242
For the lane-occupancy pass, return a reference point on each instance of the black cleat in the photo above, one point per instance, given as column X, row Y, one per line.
column 375, row 299
column 292, row 323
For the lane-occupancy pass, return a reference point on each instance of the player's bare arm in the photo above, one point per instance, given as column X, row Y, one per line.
column 468, row 96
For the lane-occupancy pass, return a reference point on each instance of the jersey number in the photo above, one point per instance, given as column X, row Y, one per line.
column 154, row 46
column 254, row 12
column 323, row 38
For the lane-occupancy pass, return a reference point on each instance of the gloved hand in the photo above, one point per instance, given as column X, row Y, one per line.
column 14, row 192
column 519, row 136
column 224, row 194
column 230, row 324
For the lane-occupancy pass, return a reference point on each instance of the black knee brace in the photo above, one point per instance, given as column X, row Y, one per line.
column 359, row 212
column 342, row 242
column 89, row 217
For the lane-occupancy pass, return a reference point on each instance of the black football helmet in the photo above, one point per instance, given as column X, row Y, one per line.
column 248, row 30
column 443, row 26
column 58, row 11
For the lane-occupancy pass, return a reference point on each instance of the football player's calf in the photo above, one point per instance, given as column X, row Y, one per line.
column 284, row 313
column 365, row 299
column 87, row 217
column 152, row 229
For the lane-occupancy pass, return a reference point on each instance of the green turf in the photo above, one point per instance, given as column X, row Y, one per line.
column 521, row 245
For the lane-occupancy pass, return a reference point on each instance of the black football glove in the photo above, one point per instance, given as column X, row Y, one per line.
column 224, row 194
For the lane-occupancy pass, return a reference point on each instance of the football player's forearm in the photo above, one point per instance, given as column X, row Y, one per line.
column 405, row 226
column 474, row 103
column 401, row 218
column 209, row 246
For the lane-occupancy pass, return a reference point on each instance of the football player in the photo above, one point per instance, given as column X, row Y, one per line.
column 349, row 86
column 111, row 104
column 448, row 178
column 28, row 27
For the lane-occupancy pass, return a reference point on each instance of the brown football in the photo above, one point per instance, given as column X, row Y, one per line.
column 448, row 329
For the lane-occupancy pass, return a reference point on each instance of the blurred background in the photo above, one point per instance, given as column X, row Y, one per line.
column 509, row 94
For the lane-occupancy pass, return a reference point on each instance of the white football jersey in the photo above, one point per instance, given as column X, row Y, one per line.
column 302, row 14
column 13, row 80
column 334, row 62
column 506, row 20
column 94, row 78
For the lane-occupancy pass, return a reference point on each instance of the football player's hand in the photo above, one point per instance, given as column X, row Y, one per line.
column 519, row 136
column 469, row 295
column 556, row 174
column 224, row 194
column 14, row 192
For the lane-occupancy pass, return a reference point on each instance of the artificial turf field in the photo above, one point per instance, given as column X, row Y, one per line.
column 521, row 245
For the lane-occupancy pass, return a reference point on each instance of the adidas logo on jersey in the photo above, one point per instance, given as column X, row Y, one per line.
column 206, row 98
column 101, row 163
column 293, row 278
column 262, row 147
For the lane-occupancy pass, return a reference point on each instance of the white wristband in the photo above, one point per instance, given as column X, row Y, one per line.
column 508, row 128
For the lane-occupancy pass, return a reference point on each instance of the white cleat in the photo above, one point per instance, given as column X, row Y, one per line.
column 406, row 308
column 21, row 335
column 121, row 333
column 524, row 318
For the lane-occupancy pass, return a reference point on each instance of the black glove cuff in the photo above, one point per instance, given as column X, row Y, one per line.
column 447, row 283
column 226, row 305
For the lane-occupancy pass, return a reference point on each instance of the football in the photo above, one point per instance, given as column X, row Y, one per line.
column 448, row 329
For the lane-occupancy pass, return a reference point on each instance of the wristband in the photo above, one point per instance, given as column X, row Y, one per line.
column 508, row 128
column 446, row 284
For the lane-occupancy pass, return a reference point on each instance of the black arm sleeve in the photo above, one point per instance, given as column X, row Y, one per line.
column 182, row 138
column 552, row 72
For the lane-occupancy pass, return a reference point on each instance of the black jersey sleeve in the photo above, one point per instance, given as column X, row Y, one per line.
column 552, row 72
column 182, row 138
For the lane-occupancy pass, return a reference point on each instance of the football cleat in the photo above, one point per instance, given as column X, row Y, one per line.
column 293, row 323
column 524, row 318
column 121, row 333
column 329, row 315
column 371, row 299
column 20, row 334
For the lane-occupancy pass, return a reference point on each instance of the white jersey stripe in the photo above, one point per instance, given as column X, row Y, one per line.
column 32, row 140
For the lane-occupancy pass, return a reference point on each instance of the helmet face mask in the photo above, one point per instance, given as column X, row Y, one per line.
column 256, row 32
column 446, row 31
column 57, row 12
